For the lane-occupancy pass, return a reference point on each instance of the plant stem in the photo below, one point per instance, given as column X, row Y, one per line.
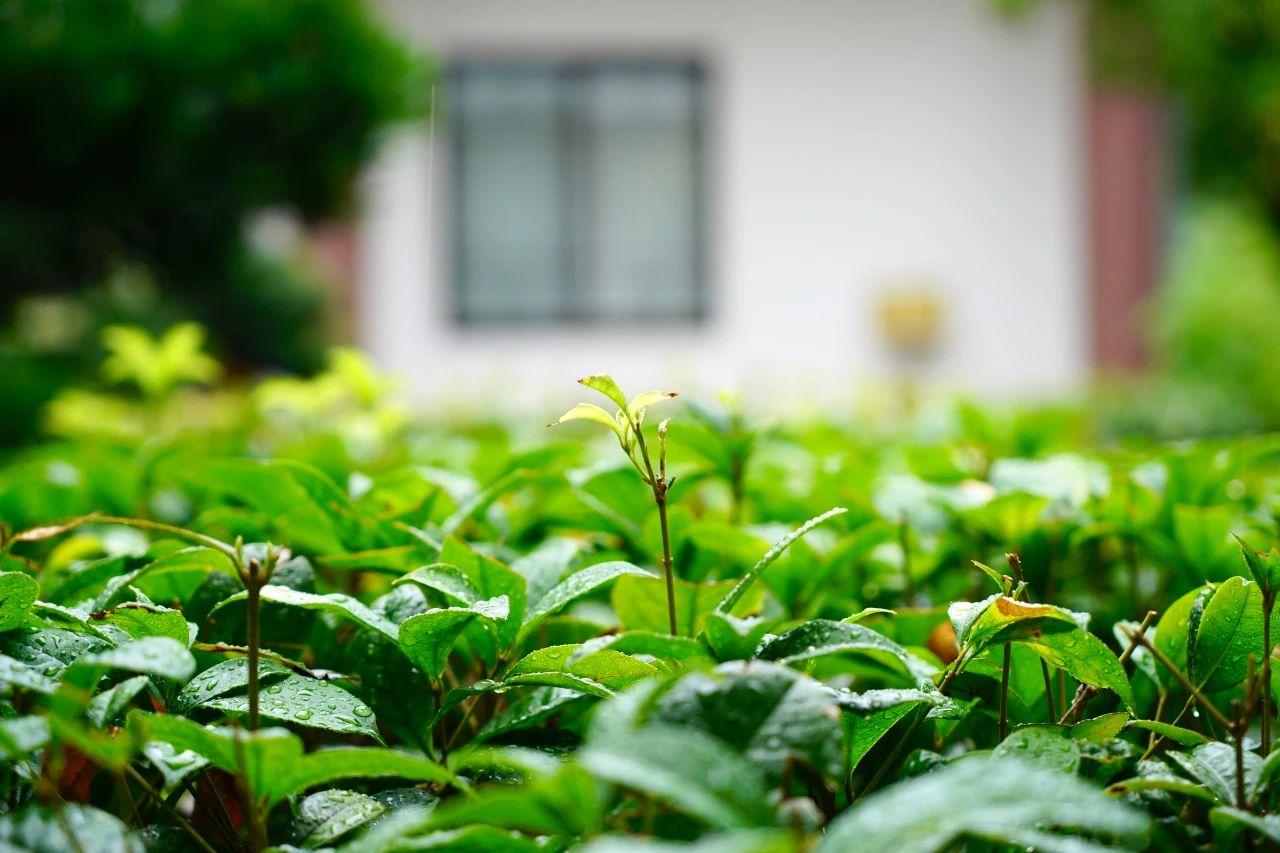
column 660, row 496
column 255, row 820
column 659, row 483
column 1049, row 697
column 1268, row 605
column 904, row 542
column 1004, row 690
column 253, row 586
column 736, row 489
column 1237, row 730
column 172, row 812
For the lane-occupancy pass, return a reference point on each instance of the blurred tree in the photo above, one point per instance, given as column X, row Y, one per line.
column 145, row 132
column 1217, row 65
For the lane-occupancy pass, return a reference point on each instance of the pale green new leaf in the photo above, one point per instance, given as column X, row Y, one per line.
column 590, row 412
column 605, row 384
column 645, row 399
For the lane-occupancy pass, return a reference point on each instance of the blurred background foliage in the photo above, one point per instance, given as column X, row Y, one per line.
column 145, row 138
column 163, row 150
column 1216, row 65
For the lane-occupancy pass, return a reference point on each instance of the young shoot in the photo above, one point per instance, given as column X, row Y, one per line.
column 627, row 425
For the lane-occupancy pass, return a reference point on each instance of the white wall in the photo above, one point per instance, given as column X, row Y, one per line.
column 851, row 141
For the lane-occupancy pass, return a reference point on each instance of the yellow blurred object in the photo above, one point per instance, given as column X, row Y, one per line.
column 911, row 319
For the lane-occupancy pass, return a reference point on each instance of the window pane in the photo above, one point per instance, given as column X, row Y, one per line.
column 508, row 252
column 643, row 218
column 577, row 190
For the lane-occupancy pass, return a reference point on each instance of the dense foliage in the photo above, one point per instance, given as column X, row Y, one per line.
column 142, row 135
column 292, row 614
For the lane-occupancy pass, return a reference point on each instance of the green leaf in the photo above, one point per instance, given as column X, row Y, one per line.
column 447, row 580
column 689, row 770
column 735, row 595
column 336, row 604
column 1177, row 734
column 731, row 638
column 1045, row 746
column 590, row 412
column 17, row 593
column 50, row 650
column 21, row 736
column 555, row 799
column 1004, row 619
column 324, row 817
column 176, row 572
column 1264, row 566
column 428, row 638
column 735, row 841
column 110, row 704
column 1099, row 730
column 645, row 399
column 1229, row 825
column 604, row 383
column 599, row 673
column 174, row 765
column 1230, row 630
column 535, row 706
column 225, row 677
column 272, row 762
column 664, row 646
column 821, row 637
column 159, row 656
column 641, row 603
column 301, row 504
column 481, row 499
column 305, row 702
column 1214, row 766
column 491, row 579
column 546, row 565
column 576, row 586
column 388, row 835
column 140, row 620
column 262, row 757
column 15, row 673
column 71, row 827
column 1085, row 658
column 1167, row 784
column 864, row 732
column 771, row 714
column 352, row 762
column 997, row 799
column 157, row 365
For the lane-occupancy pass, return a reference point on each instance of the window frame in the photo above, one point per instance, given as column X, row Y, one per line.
column 565, row 69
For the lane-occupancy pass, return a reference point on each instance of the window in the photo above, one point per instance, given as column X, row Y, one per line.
column 577, row 191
